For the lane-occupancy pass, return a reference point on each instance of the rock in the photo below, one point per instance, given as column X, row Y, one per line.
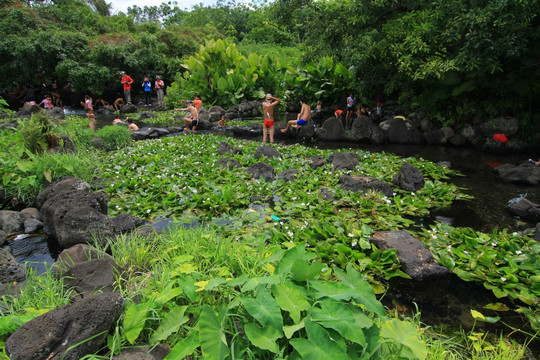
column 262, row 169
column 332, row 130
column 91, row 276
column 10, row 269
column 358, row 183
column 403, row 132
column 77, row 217
column 30, row 213
column 224, row 148
column 11, row 221
column 65, row 145
column 61, row 186
column 147, row 115
column 500, row 125
column 229, row 163
column 537, row 233
column 55, row 113
column 68, row 332
column 341, row 161
column 415, row 258
column 288, row 175
column 409, row 178
column 365, row 131
column 525, row 209
column 327, row 194
column 124, row 223
column 75, row 255
column 3, row 237
column 521, row 174
column 249, row 130
column 267, row 151
column 128, row 109
column 458, row 140
column 316, row 161
column 33, row 251
column 156, row 353
column 32, row 225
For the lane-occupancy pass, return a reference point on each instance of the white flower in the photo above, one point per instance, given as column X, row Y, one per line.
column 290, row 233
column 449, row 248
column 413, row 194
column 503, row 279
column 466, row 252
column 518, row 252
column 354, row 243
column 493, row 244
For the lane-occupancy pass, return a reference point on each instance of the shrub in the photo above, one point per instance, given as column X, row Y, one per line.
column 114, row 137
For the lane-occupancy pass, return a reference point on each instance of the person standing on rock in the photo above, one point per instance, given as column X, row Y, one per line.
column 303, row 117
column 127, row 81
column 159, row 85
column 351, row 102
column 268, row 111
column 147, row 85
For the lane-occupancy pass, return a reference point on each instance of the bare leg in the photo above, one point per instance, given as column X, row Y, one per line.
column 265, row 132
column 271, row 130
column 291, row 122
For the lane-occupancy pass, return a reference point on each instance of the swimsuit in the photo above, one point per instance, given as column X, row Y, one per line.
column 302, row 122
column 268, row 123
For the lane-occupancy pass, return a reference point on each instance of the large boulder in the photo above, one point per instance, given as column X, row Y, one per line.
column 10, row 269
column 125, row 223
column 75, row 255
column 332, row 130
column 409, row 178
column 365, row 131
column 358, row 183
column 521, row 174
column 415, row 258
column 344, row 161
column 525, row 209
column 403, row 132
column 91, row 276
column 262, row 169
column 11, row 221
column 65, row 184
column 68, row 332
column 224, row 148
column 77, row 217
column 266, row 151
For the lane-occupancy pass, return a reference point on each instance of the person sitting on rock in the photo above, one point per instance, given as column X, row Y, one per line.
column 131, row 125
column 192, row 118
column 303, row 117
column 119, row 103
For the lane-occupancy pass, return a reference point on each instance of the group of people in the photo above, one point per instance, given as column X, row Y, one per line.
column 159, row 87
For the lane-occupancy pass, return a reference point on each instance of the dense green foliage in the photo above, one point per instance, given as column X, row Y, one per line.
column 454, row 60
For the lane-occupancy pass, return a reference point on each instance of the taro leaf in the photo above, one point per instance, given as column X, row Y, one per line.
column 134, row 320
column 290, row 330
column 335, row 315
column 252, row 283
column 364, row 294
column 188, row 285
column 264, row 338
column 214, row 283
column 303, row 271
column 184, row 347
column 264, row 308
column 497, row 307
column 167, row 294
column 406, row 334
column 211, row 335
column 332, row 289
column 319, row 345
column 290, row 256
column 170, row 323
column 290, row 299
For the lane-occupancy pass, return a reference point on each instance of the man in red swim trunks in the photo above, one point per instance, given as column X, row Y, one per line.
column 268, row 111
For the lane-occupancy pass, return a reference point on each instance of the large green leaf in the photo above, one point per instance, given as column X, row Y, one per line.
column 134, row 320
column 319, row 345
column 335, row 315
column 264, row 308
column 264, row 338
column 252, row 283
column 290, row 299
column 211, row 335
column 364, row 293
column 406, row 334
column 303, row 271
column 170, row 323
column 184, row 347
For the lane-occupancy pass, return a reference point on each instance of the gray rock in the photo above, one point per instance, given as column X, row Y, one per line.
column 262, row 169
column 316, row 161
column 267, row 151
column 415, row 258
column 61, row 186
column 32, row 225
column 91, row 276
column 30, row 213
column 10, row 269
column 229, row 163
column 344, row 161
column 224, row 148
column 124, row 223
column 537, row 233
column 521, row 174
column 75, row 255
column 288, row 175
column 409, row 178
column 332, row 130
column 364, row 183
column 365, row 131
column 525, row 209
column 500, row 125
column 11, row 221
column 3, row 237
column 403, row 132
column 53, row 335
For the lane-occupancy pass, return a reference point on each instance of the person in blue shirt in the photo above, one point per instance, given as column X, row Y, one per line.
column 147, row 85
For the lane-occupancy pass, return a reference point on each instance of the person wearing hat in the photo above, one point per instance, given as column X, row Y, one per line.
column 127, row 81
column 159, row 85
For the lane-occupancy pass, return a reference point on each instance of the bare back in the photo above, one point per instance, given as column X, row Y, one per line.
column 305, row 112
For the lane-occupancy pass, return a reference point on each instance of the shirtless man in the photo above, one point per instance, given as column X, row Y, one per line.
column 192, row 118
column 303, row 117
column 268, row 110
column 131, row 125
